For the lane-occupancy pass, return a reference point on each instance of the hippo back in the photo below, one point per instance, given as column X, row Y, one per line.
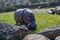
column 28, row 16
column 18, row 15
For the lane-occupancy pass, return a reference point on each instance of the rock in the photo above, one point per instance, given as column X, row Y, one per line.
column 12, row 32
column 52, row 32
column 35, row 37
column 57, row 38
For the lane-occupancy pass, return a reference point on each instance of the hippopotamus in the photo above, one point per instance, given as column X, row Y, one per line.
column 25, row 16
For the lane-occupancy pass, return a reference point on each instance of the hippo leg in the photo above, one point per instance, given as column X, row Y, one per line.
column 16, row 23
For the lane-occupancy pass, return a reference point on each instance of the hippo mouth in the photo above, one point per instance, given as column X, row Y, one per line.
column 31, row 25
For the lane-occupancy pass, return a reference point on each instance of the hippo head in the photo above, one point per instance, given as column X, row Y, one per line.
column 29, row 19
column 31, row 25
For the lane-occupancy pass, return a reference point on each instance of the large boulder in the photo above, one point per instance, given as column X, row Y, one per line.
column 12, row 32
column 35, row 37
column 52, row 32
column 57, row 38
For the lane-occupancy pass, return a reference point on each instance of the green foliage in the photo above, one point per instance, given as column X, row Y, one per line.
column 8, row 9
column 43, row 20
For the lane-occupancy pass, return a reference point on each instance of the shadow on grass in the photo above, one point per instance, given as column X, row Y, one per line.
column 33, row 31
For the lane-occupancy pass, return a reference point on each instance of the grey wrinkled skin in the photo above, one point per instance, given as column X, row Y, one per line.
column 35, row 37
column 25, row 16
column 52, row 32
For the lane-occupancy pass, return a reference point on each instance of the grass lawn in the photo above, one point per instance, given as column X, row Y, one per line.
column 43, row 20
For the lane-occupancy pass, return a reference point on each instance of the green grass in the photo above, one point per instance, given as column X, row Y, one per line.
column 46, row 20
column 43, row 20
column 7, row 18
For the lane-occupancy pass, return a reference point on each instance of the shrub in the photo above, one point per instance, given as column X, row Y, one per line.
column 8, row 9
